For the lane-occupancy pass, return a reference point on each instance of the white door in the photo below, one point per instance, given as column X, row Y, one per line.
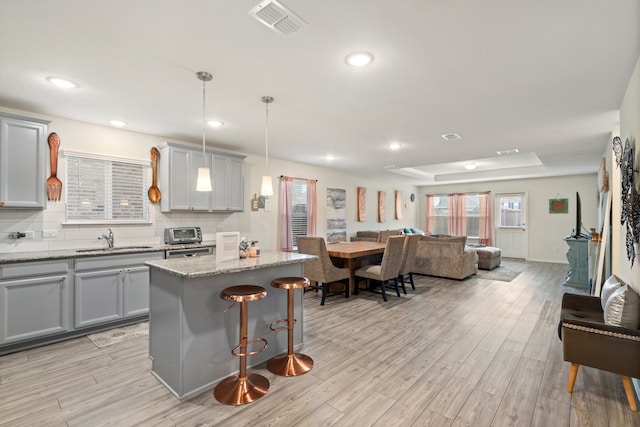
column 512, row 236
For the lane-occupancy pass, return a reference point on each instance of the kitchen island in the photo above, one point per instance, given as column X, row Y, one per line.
column 191, row 336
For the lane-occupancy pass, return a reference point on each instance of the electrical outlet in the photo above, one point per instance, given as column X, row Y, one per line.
column 50, row 233
column 28, row 235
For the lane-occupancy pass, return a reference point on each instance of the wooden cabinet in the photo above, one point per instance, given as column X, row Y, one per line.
column 177, row 176
column 23, row 156
column 112, row 287
column 34, row 300
column 228, row 183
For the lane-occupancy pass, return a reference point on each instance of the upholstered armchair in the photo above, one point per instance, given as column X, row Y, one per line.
column 321, row 270
column 587, row 340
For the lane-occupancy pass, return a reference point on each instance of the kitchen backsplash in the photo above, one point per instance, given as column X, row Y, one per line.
column 50, row 221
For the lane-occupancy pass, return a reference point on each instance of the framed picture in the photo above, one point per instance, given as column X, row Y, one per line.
column 227, row 246
column 558, row 206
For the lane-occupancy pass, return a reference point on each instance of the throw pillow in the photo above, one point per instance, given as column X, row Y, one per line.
column 623, row 308
column 609, row 287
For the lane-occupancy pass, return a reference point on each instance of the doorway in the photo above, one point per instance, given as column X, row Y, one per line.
column 512, row 236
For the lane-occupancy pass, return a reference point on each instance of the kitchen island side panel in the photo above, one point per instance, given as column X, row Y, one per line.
column 191, row 336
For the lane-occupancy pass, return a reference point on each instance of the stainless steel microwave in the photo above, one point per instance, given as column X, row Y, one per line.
column 179, row 235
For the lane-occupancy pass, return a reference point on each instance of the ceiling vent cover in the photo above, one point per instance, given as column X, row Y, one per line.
column 277, row 17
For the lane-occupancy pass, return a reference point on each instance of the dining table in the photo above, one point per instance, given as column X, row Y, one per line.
column 354, row 255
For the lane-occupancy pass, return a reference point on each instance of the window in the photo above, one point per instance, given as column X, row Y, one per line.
column 460, row 214
column 299, row 211
column 296, row 211
column 101, row 189
column 511, row 211
column 440, row 216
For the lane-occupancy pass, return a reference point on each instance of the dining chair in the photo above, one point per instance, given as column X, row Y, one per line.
column 408, row 259
column 383, row 235
column 322, row 270
column 387, row 270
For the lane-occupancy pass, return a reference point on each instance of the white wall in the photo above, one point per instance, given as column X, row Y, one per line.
column 261, row 225
column 629, row 128
column 546, row 231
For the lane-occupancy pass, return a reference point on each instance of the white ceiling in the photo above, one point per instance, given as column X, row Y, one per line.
column 546, row 77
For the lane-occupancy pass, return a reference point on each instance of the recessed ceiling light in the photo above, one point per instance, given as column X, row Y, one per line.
column 63, row 83
column 450, row 136
column 505, row 152
column 395, row 145
column 359, row 59
column 470, row 166
column 215, row 123
column 330, row 157
column 118, row 123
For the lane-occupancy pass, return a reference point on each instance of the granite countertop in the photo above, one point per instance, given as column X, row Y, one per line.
column 13, row 257
column 204, row 266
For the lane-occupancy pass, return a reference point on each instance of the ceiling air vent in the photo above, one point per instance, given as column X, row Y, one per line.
column 277, row 17
column 451, row 136
column 507, row 152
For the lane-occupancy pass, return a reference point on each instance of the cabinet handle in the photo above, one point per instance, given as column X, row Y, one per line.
column 127, row 270
column 1, row 204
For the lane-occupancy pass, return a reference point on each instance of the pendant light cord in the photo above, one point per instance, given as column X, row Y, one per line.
column 266, row 143
column 203, row 118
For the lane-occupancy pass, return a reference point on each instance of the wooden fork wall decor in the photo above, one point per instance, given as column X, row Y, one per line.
column 54, row 185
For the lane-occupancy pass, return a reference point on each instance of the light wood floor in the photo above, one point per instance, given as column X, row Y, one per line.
column 451, row 353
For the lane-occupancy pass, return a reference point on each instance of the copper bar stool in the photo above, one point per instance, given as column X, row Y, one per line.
column 243, row 388
column 290, row 364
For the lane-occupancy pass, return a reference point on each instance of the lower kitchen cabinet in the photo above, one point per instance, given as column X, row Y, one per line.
column 34, row 300
column 110, row 288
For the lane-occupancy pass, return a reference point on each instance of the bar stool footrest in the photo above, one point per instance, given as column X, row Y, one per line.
column 235, row 349
column 290, row 365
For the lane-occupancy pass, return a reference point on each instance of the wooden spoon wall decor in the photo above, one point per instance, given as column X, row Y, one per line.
column 154, row 191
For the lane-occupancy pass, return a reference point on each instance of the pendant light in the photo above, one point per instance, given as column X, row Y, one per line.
column 204, row 175
column 267, row 185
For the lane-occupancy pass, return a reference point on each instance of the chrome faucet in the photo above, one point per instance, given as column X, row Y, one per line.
column 108, row 238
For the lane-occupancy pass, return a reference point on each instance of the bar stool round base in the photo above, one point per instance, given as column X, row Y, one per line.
column 235, row 391
column 290, row 365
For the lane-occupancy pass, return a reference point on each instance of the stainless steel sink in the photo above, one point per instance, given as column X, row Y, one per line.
column 119, row 248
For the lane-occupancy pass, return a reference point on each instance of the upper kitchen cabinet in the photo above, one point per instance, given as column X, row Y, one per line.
column 228, row 182
column 177, row 176
column 22, row 162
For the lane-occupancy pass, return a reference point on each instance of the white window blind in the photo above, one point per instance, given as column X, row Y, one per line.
column 105, row 189
column 299, row 211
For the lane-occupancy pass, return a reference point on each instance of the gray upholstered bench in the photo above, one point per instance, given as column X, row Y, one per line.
column 488, row 257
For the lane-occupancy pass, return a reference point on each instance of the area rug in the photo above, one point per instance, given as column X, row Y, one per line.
column 124, row 333
column 506, row 272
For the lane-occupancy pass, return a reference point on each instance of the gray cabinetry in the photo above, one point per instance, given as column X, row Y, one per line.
column 98, row 297
column 112, row 287
column 34, row 300
column 22, row 162
column 228, row 183
column 177, row 176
